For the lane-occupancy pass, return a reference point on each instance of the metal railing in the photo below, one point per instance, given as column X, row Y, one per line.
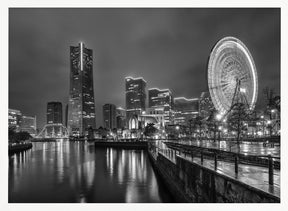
column 268, row 161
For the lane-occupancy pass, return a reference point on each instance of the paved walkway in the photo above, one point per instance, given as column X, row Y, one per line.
column 254, row 176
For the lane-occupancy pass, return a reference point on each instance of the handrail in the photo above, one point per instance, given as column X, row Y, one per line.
column 223, row 151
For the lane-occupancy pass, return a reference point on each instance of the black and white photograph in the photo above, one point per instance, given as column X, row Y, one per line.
column 144, row 105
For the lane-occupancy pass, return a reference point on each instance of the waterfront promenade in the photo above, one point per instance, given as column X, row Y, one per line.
column 256, row 174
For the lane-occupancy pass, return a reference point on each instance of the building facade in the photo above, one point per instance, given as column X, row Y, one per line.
column 54, row 113
column 14, row 119
column 109, row 116
column 135, row 96
column 81, row 107
column 120, row 118
column 66, row 115
column 185, row 109
column 161, row 102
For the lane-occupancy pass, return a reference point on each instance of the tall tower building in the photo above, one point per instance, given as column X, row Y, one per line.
column 160, row 101
column 135, row 96
column 66, row 115
column 109, row 116
column 81, row 107
column 54, row 113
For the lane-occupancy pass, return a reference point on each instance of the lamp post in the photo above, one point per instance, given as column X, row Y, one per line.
column 217, row 126
column 219, row 131
column 263, row 125
column 269, row 126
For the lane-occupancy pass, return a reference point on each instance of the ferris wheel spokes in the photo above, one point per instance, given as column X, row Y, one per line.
column 232, row 75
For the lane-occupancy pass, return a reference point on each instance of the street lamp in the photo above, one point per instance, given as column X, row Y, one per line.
column 218, row 117
column 243, row 90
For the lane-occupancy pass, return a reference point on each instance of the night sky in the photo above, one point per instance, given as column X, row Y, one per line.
column 168, row 47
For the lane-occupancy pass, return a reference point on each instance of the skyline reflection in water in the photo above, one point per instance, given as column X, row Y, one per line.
column 78, row 172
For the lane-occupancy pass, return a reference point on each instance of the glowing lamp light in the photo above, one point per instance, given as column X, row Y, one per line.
column 177, row 127
column 243, row 90
column 268, row 122
column 218, row 116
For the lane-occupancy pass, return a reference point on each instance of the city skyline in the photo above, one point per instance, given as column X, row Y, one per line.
column 169, row 48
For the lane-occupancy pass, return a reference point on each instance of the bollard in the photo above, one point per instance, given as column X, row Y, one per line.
column 201, row 157
column 215, row 161
column 236, row 164
column 192, row 155
column 270, row 166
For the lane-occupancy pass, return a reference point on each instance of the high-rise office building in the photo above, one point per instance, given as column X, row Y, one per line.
column 66, row 116
column 185, row 109
column 81, row 107
column 161, row 102
column 109, row 116
column 135, row 96
column 54, row 113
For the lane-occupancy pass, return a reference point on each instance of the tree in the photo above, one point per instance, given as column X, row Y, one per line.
column 22, row 136
column 150, row 129
column 237, row 119
column 212, row 123
column 11, row 134
column 198, row 123
column 103, row 132
column 273, row 105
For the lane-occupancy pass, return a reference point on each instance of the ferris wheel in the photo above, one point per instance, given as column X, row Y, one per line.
column 232, row 75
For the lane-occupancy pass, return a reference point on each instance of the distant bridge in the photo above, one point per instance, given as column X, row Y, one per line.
column 53, row 131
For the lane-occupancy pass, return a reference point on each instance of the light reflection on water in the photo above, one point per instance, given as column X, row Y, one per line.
column 77, row 172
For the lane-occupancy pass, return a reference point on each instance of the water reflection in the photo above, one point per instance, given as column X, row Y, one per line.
column 77, row 172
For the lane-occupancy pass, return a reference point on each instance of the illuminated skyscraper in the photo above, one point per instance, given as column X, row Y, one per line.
column 54, row 113
column 109, row 116
column 135, row 96
column 160, row 101
column 81, row 107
